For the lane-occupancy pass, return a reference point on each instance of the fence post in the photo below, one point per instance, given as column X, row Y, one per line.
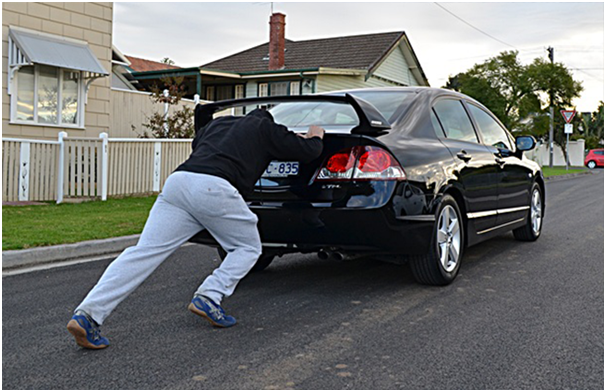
column 157, row 166
column 166, row 106
column 61, row 168
column 24, row 172
column 104, row 162
column 196, row 99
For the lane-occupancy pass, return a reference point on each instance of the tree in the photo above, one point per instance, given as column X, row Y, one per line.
column 501, row 83
column 167, row 60
column 179, row 124
column 519, row 95
column 593, row 127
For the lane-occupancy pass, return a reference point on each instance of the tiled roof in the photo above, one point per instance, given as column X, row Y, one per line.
column 353, row 52
column 143, row 65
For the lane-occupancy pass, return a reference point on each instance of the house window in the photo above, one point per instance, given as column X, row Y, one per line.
column 263, row 89
column 210, row 93
column 48, row 95
column 225, row 92
column 239, row 91
column 25, row 94
column 295, row 88
column 279, row 88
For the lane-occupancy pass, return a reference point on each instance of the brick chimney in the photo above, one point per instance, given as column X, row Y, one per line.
column 277, row 22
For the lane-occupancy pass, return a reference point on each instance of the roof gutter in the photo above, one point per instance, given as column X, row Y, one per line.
column 342, row 71
column 168, row 71
column 284, row 72
column 222, row 74
column 279, row 72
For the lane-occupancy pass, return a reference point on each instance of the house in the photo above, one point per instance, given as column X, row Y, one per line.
column 121, row 68
column 57, row 59
column 287, row 67
column 142, row 65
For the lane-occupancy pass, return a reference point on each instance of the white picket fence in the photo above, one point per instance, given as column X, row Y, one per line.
column 87, row 167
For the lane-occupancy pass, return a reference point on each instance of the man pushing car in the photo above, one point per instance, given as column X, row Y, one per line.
column 204, row 193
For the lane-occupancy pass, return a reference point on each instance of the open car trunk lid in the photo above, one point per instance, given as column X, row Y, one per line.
column 349, row 121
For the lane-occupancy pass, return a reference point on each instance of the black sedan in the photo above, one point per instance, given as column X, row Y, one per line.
column 415, row 174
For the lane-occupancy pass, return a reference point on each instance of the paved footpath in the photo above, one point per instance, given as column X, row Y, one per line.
column 520, row 315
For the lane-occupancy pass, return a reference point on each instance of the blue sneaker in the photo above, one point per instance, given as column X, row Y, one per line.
column 214, row 313
column 86, row 331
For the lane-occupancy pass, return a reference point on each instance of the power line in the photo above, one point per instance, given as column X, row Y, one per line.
column 527, row 50
column 591, row 76
column 473, row 27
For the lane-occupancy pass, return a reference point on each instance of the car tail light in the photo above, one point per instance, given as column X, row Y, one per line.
column 340, row 165
column 361, row 163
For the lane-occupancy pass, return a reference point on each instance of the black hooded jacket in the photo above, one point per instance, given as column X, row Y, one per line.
column 239, row 149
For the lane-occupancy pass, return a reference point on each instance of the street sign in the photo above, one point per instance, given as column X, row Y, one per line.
column 568, row 115
column 568, row 128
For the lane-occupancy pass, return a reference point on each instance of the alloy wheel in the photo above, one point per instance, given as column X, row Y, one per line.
column 536, row 211
column 591, row 165
column 449, row 238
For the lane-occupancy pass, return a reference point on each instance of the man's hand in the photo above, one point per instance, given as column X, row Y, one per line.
column 313, row 131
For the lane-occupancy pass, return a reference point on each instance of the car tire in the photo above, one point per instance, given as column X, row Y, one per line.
column 591, row 164
column 534, row 222
column 441, row 264
column 263, row 262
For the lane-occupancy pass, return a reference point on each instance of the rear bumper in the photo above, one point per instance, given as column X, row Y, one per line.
column 362, row 230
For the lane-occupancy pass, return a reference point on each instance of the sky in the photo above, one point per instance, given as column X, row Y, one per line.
column 192, row 34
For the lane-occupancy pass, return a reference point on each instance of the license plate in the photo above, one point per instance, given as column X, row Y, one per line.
column 281, row 169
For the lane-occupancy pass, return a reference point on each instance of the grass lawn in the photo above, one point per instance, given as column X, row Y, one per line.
column 561, row 170
column 52, row 224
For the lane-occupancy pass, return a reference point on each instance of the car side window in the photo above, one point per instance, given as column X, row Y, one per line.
column 437, row 128
column 455, row 121
column 599, row 153
column 492, row 133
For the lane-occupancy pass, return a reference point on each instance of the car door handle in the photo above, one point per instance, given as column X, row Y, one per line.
column 464, row 156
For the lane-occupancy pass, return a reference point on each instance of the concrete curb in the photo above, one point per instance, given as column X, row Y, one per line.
column 567, row 176
column 48, row 254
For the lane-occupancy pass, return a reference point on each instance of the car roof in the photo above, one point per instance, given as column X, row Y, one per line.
column 431, row 92
column 415, row 89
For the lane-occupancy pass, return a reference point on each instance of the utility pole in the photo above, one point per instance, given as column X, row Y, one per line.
column 550, row 51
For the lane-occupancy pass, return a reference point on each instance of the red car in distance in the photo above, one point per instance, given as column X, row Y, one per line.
column 595, row 158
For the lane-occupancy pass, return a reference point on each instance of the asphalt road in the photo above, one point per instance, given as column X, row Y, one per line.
column 520, row 315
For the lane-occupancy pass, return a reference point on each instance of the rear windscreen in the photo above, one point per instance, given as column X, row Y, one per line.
column 328, row 114
column 386, row 102
column 304, row 114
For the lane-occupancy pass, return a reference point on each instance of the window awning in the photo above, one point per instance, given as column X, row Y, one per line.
column 28, row 47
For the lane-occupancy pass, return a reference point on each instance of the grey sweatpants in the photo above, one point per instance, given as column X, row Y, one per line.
column 189, row 202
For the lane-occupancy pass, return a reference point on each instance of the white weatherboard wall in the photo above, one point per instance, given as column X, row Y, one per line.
column 396, row 69
column 131, row 109
column 576, row 153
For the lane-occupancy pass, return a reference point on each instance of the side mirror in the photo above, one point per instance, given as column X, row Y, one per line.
column 525, row 143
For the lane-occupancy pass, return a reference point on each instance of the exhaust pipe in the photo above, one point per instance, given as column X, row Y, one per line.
column 323, row 255
column 338, row 256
